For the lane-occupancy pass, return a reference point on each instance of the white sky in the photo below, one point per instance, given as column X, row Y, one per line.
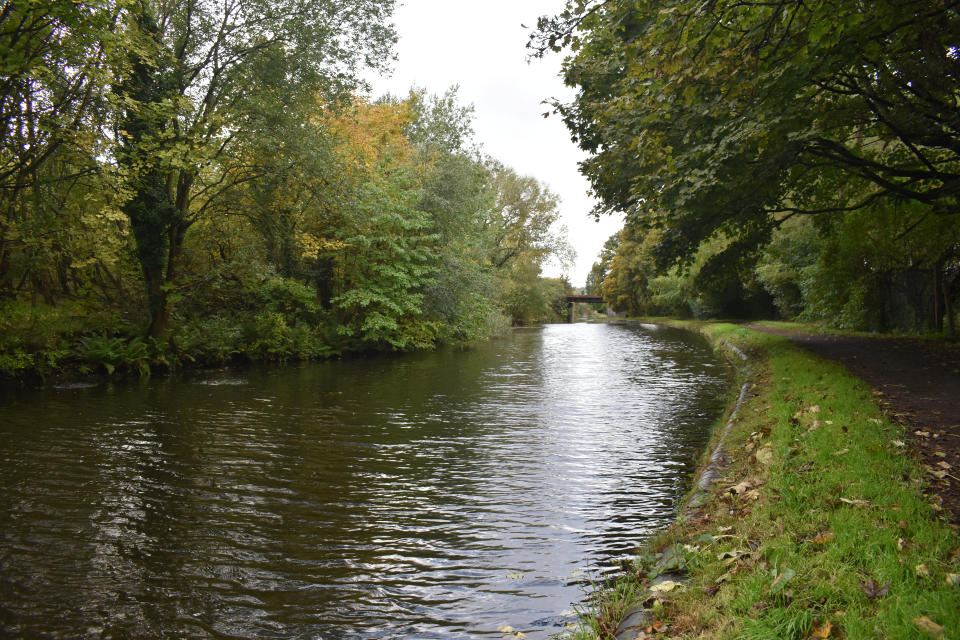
column 480, row 46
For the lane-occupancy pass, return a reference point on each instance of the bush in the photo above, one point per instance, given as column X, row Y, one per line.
column 36, row 339
column 114, row 352
column 208, row 340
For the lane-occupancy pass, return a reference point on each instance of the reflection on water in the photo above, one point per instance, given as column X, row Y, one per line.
column 438, row 495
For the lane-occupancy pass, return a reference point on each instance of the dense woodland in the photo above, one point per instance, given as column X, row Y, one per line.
column 199, row 181
column 788, row 158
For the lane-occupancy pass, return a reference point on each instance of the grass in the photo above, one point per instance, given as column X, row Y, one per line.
column 819, row 527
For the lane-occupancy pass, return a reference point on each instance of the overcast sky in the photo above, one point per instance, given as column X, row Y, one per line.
column 480, row 46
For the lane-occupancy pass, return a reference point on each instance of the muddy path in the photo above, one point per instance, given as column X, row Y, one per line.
column 918, row 382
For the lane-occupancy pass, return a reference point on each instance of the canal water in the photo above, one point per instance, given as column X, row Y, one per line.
column 433, row 495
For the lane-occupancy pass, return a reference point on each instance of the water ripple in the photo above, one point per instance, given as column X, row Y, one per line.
column 426, row 496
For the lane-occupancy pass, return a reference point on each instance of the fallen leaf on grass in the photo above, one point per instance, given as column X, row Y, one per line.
column 841, row 452
column 873, row 590
column 822, row 631
column 741, row 488
column 657, row 627
column 782, row 579
column 898, row 443
column 856, row 503
column 666, row 586
column 952, row 579
column 928, row 626
column 724, row 578
column 723, row 537
column 823, row 538
column 922, row 571
column 765, row 455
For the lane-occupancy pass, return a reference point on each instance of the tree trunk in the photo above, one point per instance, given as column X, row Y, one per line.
column 937, row 292
column 5, row 290
column 63, row 273
column 948, row 305
column 151, row 216
column 158, row 303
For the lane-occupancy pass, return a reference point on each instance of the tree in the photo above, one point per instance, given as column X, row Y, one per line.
column 381, row 253
column 600, row 269
column 386, row 261
column 458, row 195
column 521, row 223
column 868, row 270
column 192, row 71
column 725, row 114
column 52, row 70
column 53, row 67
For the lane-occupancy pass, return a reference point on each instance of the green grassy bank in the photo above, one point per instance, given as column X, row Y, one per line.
column 817, row 528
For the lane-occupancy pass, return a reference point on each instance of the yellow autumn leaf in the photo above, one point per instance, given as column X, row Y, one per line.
column 928, row 626
column 665, row 586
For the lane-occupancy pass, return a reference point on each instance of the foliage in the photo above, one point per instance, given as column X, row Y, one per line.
column 599, row 269
column 38, row 338
column 723, row 113
column 723, row 121
column 193, row 78
column 195, row 183
column 386, row 261
column 529, row 299
column 110, row 352
column 635, row 285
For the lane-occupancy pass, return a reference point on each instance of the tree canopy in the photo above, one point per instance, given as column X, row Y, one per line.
column 725, row 118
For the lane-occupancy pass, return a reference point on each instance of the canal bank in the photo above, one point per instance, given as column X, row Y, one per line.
column 815, row 524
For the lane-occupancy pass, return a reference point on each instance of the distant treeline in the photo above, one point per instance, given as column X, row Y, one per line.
column 799, row 159
column 197, row 182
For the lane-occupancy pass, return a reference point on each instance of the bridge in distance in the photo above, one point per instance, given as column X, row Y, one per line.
column 572, row 300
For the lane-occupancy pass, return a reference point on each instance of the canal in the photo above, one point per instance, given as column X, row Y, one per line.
column 430, row 495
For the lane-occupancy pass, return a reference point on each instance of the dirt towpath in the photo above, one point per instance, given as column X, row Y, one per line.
column 918, row 382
